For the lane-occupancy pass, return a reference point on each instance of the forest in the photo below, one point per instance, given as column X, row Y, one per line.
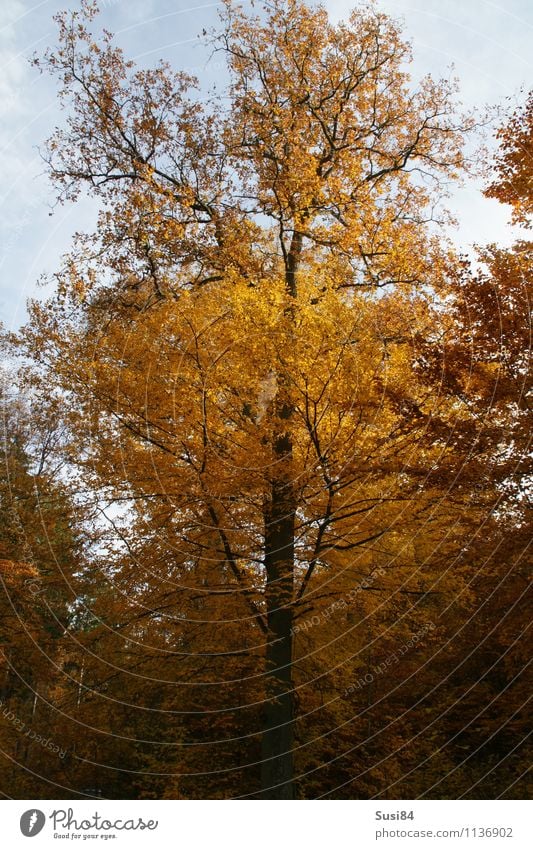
column 266, row 484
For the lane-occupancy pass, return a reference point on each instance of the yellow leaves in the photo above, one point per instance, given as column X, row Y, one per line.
column 262, row 332
column 12, row 571
column 325, row 112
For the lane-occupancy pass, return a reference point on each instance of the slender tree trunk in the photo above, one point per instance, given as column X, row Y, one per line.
column 277, row 759
column 278, row 729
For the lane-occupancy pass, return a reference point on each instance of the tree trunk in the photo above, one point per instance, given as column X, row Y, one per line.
column 278, row 731
column 277, row 741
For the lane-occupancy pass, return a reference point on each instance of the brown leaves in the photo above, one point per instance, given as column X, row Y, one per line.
column 279, row 390
column 513, row 184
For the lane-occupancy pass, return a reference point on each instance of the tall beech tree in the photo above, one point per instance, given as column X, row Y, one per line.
column 248, row 344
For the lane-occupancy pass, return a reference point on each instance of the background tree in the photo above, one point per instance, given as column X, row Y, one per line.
column 41, row 551
column 512, row 183
column 497, row 301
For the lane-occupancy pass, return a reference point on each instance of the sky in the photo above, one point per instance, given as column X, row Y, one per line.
column 489, row 45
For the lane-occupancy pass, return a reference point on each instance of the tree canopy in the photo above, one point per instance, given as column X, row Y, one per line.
column 286, row 397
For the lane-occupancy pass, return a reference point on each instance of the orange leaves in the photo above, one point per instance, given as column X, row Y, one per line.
column 264, row 263
column 11, row 570
column 323, row 120
column 513, row 184
column 262, row 350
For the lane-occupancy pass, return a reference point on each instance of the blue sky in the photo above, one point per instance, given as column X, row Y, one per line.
column 490, row 45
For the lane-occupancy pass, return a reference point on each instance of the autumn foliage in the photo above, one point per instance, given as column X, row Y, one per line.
column 294, row 429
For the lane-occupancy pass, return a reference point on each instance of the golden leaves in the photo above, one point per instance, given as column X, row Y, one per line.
column 513, row 184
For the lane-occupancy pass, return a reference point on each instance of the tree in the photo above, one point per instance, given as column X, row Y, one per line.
column 497, row 300
column 512, row 182
column 240, row 344
column 40, row 553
